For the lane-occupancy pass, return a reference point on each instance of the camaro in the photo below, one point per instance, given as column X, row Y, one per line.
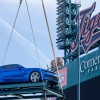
column 15, row 73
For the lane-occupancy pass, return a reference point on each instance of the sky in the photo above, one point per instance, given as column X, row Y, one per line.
column 21, row 49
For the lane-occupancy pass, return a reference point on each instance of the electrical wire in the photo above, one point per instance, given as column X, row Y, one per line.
column 51, row 44
column 11, row 32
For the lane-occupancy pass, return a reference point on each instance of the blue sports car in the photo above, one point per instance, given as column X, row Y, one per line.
column 15, row 73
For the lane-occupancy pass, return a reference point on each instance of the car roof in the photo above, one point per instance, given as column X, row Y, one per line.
column 10, row 66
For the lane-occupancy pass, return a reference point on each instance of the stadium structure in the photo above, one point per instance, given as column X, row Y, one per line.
column 78, row 34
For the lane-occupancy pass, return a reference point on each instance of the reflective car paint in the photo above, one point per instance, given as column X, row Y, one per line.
column 17, row 73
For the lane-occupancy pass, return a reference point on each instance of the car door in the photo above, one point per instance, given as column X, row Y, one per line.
column 13, row 74
column 1, row 75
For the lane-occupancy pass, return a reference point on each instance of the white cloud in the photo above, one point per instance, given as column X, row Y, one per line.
column 28, row 45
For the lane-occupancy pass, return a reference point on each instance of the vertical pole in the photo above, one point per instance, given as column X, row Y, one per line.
column 70, row 18
column 78, row 92
column 65, row 57
column 45, row 98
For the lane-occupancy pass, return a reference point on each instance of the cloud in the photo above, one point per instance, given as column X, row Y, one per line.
column 30, row 48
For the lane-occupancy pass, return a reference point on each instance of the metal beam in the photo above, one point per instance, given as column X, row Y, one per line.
column 23, row 91
column 18, row 90
column 8, row 86
column 27, row 97
column 55, row 93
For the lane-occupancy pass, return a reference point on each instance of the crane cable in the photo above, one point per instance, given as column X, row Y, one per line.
column 34, row 40
column 11, row 32
column 48, row 28
column 32, row 31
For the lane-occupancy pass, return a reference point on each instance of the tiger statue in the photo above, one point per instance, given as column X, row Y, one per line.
column 59, row 63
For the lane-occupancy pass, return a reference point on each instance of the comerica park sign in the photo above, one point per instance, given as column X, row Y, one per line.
column 90, row 65
column 89, row 29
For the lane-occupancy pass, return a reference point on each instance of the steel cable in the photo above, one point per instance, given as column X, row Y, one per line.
column 11, row 32
column 34, row 39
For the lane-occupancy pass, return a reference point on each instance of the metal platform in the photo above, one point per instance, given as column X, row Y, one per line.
column 28, row 91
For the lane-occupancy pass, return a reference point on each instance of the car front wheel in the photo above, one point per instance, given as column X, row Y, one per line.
column 35, row 77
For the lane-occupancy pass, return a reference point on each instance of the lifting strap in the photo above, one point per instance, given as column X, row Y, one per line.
column 51, row 44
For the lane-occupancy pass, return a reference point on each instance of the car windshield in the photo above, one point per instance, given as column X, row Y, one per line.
column 13, row 66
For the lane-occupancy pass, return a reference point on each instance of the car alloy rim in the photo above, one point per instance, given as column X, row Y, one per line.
column 35, row 77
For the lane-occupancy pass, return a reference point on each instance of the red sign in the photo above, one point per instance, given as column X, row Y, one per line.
column 63, row 76
column 63, row 79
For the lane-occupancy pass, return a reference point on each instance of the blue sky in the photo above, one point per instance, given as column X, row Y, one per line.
column 21, row 49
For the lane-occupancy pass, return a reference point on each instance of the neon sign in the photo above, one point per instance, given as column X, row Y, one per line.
column 89, row 29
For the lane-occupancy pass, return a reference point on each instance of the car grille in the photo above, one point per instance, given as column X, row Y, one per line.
column 53, row 78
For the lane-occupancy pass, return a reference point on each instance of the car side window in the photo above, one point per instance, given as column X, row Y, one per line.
column 9, row 67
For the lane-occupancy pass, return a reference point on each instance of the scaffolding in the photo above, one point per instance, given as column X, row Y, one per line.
column 34, row 90
column 67, row 28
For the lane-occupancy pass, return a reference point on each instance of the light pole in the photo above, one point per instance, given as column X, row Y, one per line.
column 78, row 93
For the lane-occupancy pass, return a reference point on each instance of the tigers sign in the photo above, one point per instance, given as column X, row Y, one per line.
column 89, row 29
